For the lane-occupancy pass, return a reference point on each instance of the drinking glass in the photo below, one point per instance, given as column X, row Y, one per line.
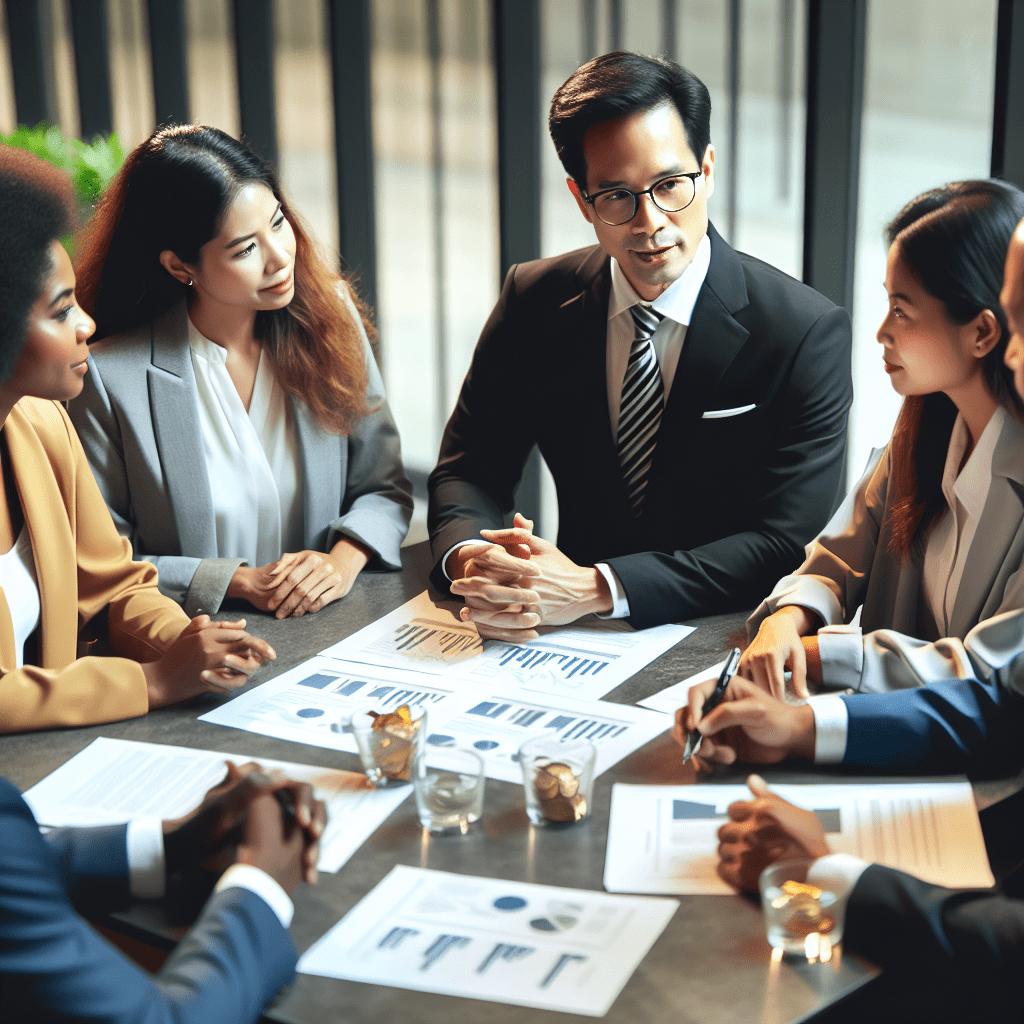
column 449, row 790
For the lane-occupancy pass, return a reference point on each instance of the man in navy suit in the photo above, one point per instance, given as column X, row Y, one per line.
column 236, row 957
column 742, row 388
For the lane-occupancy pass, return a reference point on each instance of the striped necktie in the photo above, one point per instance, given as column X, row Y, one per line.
column 643, row 398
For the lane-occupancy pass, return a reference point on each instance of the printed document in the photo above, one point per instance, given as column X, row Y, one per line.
column 312, row 703
column 483, row 938
column 112, row 781
column 663, row 839
column 587, row 659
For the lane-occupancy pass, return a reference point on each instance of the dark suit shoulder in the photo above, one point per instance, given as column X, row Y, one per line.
column 784, row 297
column 557, row 277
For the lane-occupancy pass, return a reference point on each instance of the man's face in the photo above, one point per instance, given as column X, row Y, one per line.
column 634, row 152
column 1011, row 298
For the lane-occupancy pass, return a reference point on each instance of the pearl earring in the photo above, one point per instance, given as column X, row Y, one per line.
column 190, row 282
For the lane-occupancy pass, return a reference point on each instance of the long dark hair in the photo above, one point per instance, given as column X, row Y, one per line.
column 954, row 239
column 173, row 193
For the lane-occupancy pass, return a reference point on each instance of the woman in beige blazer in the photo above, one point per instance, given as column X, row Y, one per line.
column 62, row 561
column 931, row 540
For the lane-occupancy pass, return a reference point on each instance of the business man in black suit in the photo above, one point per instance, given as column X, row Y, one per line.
column 690, row 401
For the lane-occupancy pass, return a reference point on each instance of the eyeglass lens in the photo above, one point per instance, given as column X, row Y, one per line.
column 670, row 195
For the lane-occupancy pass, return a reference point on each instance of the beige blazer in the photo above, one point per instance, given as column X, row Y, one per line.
column 83, row 566
column 850, row 564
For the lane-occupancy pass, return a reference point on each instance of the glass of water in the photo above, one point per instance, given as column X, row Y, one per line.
column 449, row 790
column 803, row 914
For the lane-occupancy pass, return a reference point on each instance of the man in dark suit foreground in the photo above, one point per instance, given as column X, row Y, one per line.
column 949, row 954
column 690, row 401
column 54, row 967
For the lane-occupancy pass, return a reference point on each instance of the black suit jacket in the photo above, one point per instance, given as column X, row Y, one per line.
column 948, row 954
column 730, row 502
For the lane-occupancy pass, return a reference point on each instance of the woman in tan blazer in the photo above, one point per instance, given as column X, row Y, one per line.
column 62, row 561
column 931, row 541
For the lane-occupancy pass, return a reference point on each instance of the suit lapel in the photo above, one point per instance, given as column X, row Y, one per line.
column 172, row 396
column 583, row 324
column 713, row 337
column 53, row 549
column 321, row 471
column 998, row 542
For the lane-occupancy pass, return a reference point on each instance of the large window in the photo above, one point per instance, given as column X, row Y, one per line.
column 928, row 86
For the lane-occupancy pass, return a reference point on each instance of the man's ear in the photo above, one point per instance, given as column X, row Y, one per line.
column 578, row 196
column 178, row 270
column 708, row 167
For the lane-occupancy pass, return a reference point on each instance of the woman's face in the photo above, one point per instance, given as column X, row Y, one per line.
column 54, row 357
column 250, row 264
column 924, row 351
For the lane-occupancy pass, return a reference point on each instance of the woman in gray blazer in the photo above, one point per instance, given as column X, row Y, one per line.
column 233, row 415
column 931, row 540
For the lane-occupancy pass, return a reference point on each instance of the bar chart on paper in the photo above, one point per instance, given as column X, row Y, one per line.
column 585, row 660
column 311, row 702
column 485, row 938
column 496, row 725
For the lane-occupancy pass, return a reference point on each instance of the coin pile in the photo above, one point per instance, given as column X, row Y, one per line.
column 557, row 786
column 393, row 736
column 805, row 912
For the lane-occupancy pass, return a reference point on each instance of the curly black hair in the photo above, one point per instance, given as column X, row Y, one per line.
column 37, row 207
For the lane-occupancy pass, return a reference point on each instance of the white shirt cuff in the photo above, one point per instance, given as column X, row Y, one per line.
column 247, row 876
column 841, row 649
column 809, row 592
column 147, row 875
column 620, row 603
column 448, row 554
column 831, row 722
column 838, row 872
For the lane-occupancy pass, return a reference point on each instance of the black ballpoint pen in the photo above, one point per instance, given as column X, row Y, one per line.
column 714, row 698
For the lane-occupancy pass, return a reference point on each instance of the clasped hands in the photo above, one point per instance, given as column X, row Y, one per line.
column 516, row 582
column 301, row 582
column 243, row 820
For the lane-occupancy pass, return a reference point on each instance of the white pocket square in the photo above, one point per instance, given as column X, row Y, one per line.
column 721, row 414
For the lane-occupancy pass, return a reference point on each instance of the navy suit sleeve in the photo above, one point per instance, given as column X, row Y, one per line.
column 53, row 966
column 968, row 708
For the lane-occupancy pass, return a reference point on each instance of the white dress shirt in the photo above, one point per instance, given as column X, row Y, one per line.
column 21, row 589
column 841, row 648
column 675, row 304
column 252, row 459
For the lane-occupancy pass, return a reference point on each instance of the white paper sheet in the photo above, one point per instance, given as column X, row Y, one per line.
column 586, row 659
column 112, row 781
column 482, row 938
column 312, row 702
column 678, row 694
column 499, row 722
column 662, row 839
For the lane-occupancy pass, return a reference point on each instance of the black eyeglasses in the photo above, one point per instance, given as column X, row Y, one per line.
column 618, row 205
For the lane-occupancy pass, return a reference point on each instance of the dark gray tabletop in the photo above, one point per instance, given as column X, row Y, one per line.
column 712, row 962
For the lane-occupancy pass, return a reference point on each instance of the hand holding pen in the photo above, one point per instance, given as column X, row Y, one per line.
column 693, row 738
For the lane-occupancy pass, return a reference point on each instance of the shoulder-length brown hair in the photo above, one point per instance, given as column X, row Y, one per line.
column 954, row 239
column 173, row 193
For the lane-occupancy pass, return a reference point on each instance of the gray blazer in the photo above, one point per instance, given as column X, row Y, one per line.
column 138, row 419
column 850, row 565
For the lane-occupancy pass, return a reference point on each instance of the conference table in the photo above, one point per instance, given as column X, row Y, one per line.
column 712, row 962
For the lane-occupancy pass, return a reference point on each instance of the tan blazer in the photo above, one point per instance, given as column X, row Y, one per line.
column 850, row 565
column 83, row 566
